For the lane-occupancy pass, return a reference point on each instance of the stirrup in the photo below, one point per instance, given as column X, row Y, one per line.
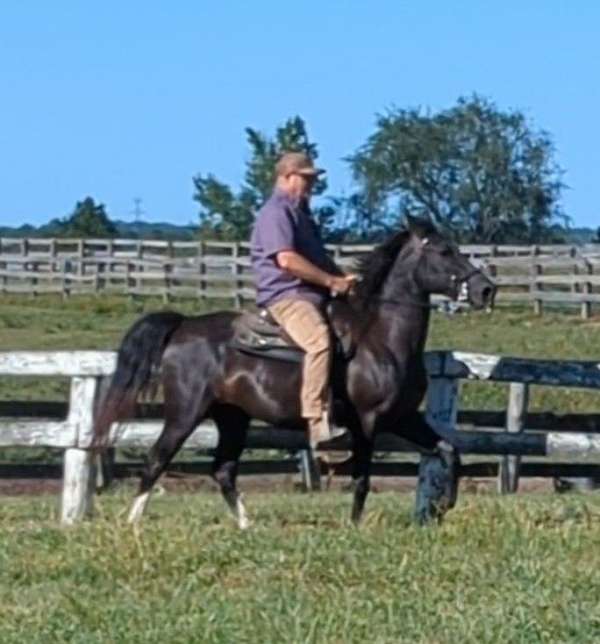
column 335, row 432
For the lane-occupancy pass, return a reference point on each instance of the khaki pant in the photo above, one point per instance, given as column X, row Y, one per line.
column 305, row 324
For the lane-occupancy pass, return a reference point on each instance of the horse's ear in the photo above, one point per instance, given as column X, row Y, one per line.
column 420, row 227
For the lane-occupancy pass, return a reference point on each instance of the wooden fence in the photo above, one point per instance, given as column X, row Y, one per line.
column 538, row 275
column 574, row 449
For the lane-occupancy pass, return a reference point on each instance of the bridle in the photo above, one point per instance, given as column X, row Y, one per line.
column 455, row 280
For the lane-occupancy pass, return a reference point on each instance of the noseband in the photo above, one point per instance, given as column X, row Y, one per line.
column 463, row 279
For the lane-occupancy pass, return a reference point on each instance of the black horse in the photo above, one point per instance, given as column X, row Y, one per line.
column 377, row 388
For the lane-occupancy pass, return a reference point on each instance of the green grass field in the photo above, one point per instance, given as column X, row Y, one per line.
column 520, row 569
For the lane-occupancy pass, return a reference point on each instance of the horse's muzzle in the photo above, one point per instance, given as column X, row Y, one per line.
column 482, row 291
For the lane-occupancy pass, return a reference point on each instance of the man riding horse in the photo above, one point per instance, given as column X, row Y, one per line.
column 294, row 279
column 207, row 370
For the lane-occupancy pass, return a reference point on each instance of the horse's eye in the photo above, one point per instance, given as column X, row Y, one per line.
column 446, row 251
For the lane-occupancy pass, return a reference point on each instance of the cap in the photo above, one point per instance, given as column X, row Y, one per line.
column 296, row 163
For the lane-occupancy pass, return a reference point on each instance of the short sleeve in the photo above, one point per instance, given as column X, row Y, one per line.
column 276, row 230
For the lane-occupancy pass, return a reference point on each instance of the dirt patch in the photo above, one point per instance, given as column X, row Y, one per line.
column 265, row 484
column 32, row 487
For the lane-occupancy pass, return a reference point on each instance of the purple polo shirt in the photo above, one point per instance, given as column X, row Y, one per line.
column 285, row 223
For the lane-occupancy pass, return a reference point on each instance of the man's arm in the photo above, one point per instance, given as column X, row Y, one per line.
column 300, row 267
column 331, row 267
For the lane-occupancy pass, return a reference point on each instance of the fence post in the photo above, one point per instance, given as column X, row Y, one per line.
column 310, row 470
column 129, row 282
column 78, row 483
column 4, row 268
column 442, row 405
column 534, row 287
column 236, row 270
column 508, row 471
column 586, row 287
column 65, row 279
column 96, row 281
column 80, row 256
column 201, row 271
column 30, row 267
column 490, row 265
column 78, row 469
column 166, row 295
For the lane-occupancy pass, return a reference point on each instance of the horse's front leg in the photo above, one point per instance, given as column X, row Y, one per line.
column 439, row 470
column 438, row 484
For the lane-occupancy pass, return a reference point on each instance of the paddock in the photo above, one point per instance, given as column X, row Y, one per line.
column 559, row 445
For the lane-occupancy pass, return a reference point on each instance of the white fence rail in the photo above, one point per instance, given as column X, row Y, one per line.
column 87, row 369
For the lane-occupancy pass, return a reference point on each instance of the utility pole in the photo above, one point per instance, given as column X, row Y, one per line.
column 137, row 211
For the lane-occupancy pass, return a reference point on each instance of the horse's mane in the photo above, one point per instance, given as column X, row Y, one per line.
column 374, row 267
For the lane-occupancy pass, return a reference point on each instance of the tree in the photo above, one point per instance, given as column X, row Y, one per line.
column 227, row 214
column 482, row 174
column 357, row 220
column 87, row 220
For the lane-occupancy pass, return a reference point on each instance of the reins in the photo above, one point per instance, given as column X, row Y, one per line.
column 414, row 303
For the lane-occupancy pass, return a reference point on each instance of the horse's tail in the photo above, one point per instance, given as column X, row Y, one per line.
column 138, row 359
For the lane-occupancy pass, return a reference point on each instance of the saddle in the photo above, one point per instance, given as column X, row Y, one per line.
column 258, row 334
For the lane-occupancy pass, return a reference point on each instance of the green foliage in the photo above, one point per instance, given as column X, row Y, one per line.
column 223, row 214
column 25, row 230
column 260, row 171
column 226, row 214
column 155, row 230
column 356, row 219
column 580, row 235
column 87, row 220
column 520, row 569
column 483, row 174
column 124, row 230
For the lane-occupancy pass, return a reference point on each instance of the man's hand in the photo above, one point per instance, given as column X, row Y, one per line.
column 342, row 285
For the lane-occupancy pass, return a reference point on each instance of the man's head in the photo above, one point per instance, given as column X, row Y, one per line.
column 296, row 174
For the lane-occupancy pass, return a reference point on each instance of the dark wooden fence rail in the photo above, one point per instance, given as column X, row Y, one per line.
column 539, row 275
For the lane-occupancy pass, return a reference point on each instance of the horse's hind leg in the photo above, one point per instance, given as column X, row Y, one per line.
column 233, row 425
column 180, row 421
column 362, row 450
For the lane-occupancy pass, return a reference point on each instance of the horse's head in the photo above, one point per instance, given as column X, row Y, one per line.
column 441, row 269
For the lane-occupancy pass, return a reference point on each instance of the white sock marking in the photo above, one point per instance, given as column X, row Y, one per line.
column 138, row 506
column 242, row 516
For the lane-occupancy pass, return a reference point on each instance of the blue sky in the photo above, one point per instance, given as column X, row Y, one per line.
column 131, row 99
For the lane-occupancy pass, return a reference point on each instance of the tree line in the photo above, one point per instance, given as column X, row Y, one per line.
column 481, row 174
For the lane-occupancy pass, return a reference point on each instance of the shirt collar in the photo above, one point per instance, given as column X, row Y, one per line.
column 296, row 202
